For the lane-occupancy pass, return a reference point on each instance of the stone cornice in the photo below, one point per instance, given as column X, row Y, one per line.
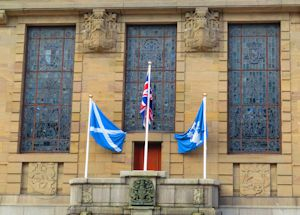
column 17, row 5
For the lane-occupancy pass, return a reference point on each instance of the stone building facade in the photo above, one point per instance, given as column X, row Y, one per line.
column 243, row 54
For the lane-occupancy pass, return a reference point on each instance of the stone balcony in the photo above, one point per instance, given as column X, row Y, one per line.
column 139, row 192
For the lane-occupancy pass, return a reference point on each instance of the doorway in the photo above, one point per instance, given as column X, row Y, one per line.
column 154, row 156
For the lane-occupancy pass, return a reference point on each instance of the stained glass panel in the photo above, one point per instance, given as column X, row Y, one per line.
column 156, row 43
column 48, row 89
column 254, row 88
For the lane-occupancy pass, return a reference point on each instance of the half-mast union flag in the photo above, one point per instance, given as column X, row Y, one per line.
column 105, row 133
column 143, row 106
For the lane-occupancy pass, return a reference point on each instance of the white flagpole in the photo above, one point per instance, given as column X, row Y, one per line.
column 147, row 118
column 88, row 139
column 204, row 147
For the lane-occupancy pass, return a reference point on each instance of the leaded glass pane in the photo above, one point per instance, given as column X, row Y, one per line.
column 156, row 43
column 235, row 122
column 254, row 125
column 254, row 88
column 253, row 53
column 48, row 89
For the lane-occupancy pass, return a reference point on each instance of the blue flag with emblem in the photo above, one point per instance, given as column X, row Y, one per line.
column 105, row 133
column 194, row 137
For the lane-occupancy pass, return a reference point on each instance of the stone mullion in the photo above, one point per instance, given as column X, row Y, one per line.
column 225, row 170
column 120, row 161
column 14, row 174
column 70, row 169
column 176, row 161
column 284, row 178
column 180, row 79
column 294, row 32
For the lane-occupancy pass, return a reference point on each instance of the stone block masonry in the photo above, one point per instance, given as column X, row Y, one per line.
column 144, row 192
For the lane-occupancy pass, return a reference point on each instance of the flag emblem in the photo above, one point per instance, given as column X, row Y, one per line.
column 143, row 106
column 194, row 137
column 105, row 133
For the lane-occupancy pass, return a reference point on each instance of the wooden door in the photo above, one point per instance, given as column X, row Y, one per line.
column 154, row 156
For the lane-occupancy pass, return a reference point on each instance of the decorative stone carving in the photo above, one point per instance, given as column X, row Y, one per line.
column 199, row 196
column 87, row 195
column 3, row 17
column 142, row 193
column 201, row 30
column 99, row 31
column 255, row 180
column 42, row 178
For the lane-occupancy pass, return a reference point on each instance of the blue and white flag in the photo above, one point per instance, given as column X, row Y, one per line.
column 105, row 133
column 194, row 137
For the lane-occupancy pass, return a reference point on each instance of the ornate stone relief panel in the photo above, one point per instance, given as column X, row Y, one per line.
column 3, row 17
column 255, row 180
column 42, row 178
column 199, row 196
column 100, row 31
column 87, row 194
column 142, row 193
column 201, row 30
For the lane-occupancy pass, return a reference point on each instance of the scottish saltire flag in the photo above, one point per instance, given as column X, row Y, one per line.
column 105, row 133
column 194, row 137
column 143, row 106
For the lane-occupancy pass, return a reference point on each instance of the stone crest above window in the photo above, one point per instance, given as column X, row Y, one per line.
column 201, row 30
column 3, row 17
column 99, row 31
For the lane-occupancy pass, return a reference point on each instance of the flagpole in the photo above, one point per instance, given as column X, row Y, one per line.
column 147, row 117
column 88, row 139
column 205, row 146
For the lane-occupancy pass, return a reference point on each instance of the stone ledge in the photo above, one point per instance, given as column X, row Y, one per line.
column 97, row 181
column 78, row 181
column 176, row 181
column 209, row 182
column 269, row 202
column 179, row 181
column 34, row 200
column 140, row 173
column 141, row 207
column 131, row 4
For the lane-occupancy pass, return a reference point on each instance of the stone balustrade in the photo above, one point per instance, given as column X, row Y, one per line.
column 139, row 192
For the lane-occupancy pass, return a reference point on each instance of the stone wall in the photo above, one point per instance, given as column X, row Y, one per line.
column 101, row 74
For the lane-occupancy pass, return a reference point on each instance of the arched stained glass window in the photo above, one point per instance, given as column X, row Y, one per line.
column 254, row 88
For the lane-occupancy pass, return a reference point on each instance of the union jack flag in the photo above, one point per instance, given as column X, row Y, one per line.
column 143, row 106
